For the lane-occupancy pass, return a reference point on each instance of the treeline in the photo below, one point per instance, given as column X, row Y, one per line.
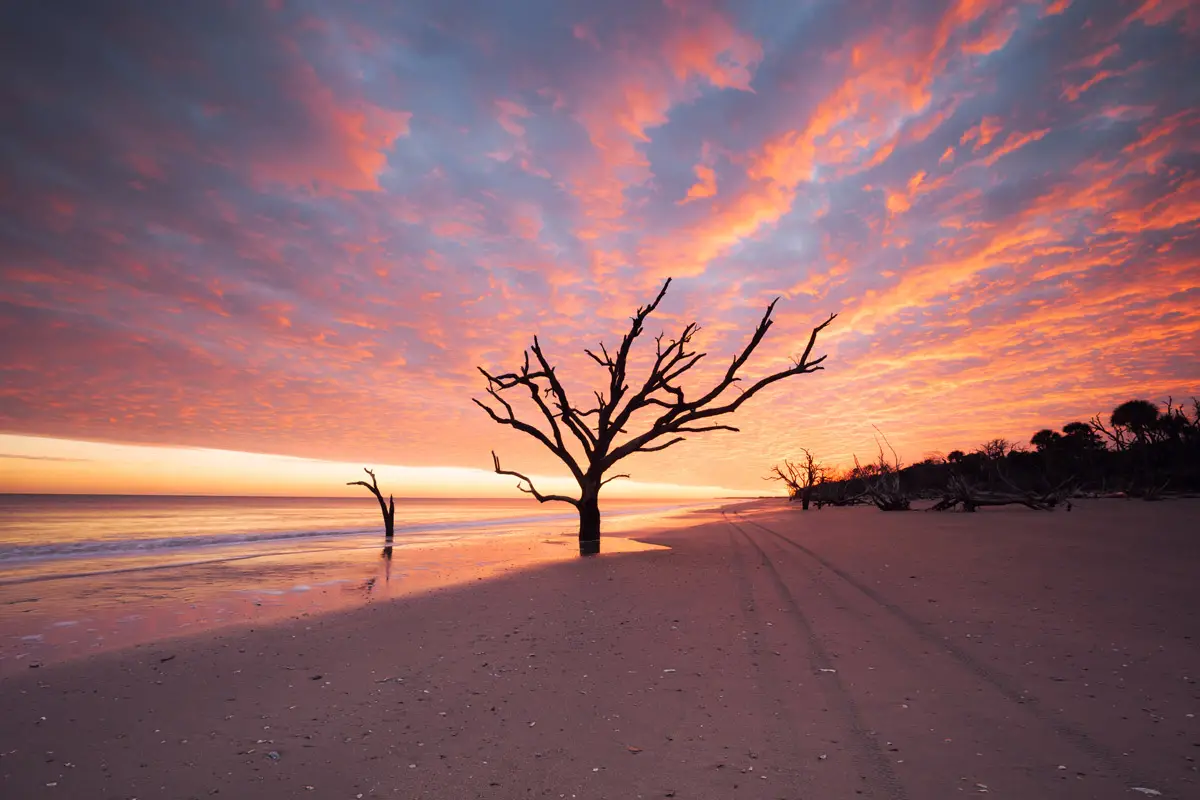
column 1141, row 451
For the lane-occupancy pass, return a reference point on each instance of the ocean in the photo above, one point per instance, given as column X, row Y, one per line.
column 81, row 573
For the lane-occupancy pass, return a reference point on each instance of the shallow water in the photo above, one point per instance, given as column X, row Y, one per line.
column 48, row 526
column 80, row 575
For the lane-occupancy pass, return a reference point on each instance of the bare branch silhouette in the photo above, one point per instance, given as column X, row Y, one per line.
column 388, row 509
column 590, row 441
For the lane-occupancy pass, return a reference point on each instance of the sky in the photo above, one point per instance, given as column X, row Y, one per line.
column 237, row 231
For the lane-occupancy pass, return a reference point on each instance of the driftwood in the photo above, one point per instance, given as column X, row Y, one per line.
column 859, row 499
column 590, row 442
column 882, row 479
column 960, row 493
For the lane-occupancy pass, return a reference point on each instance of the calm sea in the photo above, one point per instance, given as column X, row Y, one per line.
column 79, row 574
column 42, row 528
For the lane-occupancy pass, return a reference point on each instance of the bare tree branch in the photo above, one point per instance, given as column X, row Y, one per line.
column 613, row 478
column 529, row 488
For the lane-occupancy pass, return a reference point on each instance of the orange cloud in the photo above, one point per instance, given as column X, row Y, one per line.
column 706, row 178
column 705, row 185
column 982, row 133
column 350, row 148
column 1014, row 142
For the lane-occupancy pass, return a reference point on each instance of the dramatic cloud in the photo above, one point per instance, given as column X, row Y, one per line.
column 296, row 227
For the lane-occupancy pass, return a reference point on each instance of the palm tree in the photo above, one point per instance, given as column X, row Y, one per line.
column 1045, row 439
column 1082, row 434
column 1139, row 416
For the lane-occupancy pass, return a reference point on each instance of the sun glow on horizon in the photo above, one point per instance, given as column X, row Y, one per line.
column 41, row 465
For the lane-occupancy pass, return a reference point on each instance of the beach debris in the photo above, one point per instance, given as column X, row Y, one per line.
column 632, row 749
column 166, row 659
column 316, row 677
column 668, row 670
column 823, row 669
column 273, row 755
column 1145, row 791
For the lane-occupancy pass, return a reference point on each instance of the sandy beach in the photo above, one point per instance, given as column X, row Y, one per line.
column 766, row 654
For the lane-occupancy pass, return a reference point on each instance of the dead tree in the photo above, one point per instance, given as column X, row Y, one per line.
column 800, row 477
column 838, row 489
column 388, row 509
column 961, row 493
column 882, row 480
column 591, row 441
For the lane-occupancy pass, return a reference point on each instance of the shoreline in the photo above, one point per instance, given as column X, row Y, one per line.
column 56, row 616
column 768, row 653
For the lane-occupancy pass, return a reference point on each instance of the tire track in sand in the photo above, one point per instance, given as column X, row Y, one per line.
column 945, row 663
column 867, row 758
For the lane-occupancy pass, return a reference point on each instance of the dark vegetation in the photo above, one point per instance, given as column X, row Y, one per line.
column 1141, row 451
column 627, row 417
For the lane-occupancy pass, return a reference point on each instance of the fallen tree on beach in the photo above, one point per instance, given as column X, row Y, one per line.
column 844, row 488
column 883, row 480
column 590, row 442
column 388, row 509
column 962, row 494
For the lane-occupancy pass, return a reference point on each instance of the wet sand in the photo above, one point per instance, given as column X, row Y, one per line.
column 57, row 609
column 768, row 654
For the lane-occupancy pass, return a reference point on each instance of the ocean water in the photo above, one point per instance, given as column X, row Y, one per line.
column 85, row 573
column 46, row 527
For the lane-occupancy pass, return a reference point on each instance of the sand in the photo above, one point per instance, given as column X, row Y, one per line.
column 768, row 654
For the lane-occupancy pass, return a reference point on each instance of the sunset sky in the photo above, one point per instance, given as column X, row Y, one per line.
column 295, row 228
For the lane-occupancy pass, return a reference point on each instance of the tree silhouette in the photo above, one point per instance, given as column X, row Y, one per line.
column 1081, row 435
column 800, row 477
column 590, row 442
column 1138, row 416
column 388, row 509
column 994, row 450
column 1045, row 439
column 1139, row 450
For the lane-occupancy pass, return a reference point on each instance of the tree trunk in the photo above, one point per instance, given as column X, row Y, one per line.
column 389, row 518
column 805, row 497
column 589, row 524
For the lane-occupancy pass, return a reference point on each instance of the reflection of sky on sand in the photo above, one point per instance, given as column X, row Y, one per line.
column 85, row 606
